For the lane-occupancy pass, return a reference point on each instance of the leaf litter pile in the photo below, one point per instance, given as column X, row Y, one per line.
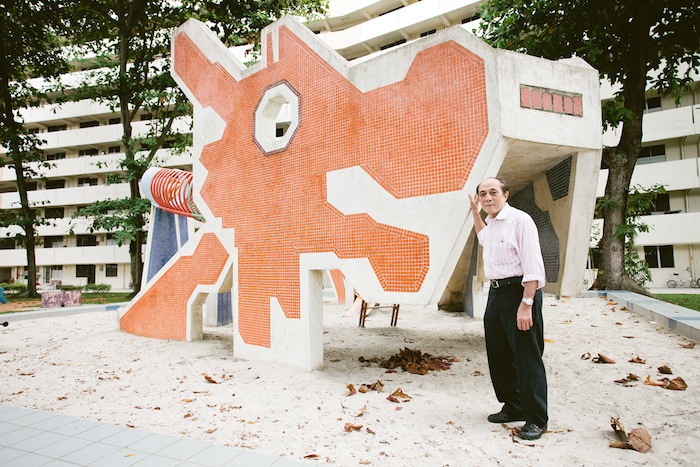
column 413, row 361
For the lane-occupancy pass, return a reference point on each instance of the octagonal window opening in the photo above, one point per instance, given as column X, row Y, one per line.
column 276, row 118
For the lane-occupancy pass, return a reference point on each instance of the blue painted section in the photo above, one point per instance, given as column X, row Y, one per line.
column 3, row 300
column 163, row 241
column 184, row 235
column 224, row 314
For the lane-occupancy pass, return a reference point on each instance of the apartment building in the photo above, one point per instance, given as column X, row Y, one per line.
column 82, row 140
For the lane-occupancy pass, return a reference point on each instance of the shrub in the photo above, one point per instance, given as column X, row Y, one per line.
column 97, row 288
column 70, row 287
column 16, row 288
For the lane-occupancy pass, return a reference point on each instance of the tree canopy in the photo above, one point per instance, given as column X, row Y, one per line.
column 30, row 46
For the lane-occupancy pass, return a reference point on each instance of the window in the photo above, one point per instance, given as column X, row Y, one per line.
column 56, row 156
column 7, row 243
column 393, row 44
column 86, row 270
column 651, row 154
column 109, row 239
column 86, row 240
column 146, row 117
column 53, row 242
column 53, row 128
column 55, row 184
column 32, row 186
column 34, row 131
column 52, row 272
column 661, row 205
column 111, row 270
column 114, row 149
column 659, row 256
column 55, row 213
column 652, row 104
column 427, row 33
column 115, row 121
column 89, row 124
column 87, row 181
column 88, row 152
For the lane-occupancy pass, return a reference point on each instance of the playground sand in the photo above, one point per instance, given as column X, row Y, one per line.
column 83, row 366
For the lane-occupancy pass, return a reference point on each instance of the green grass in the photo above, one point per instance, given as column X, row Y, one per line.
column 691, row 301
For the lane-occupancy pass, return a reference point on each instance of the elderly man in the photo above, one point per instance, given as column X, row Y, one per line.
column 513, row 319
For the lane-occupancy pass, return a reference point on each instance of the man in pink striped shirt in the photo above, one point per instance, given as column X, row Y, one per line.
column 513, row 324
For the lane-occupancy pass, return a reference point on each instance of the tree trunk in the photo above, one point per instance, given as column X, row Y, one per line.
column 28, row 216
column 621, row 161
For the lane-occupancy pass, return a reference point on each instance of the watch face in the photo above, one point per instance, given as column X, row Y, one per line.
column 527, row 301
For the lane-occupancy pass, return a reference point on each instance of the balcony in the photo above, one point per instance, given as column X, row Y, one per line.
column 674, row 175
column 67, row 255
column 663, row 125
column 68, row 196
column 678, row 227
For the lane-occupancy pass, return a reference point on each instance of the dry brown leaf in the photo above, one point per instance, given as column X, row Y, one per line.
column 618, row 323
column 640, row 439
column 628, row 337
column 311, row 456
column 362, row 411
column 377, row 386
column 351, row 390
column 619, row 444
column 363, row 388
column 371, row 432
column 210, row 379
column 586, row 356
column 637, row 360
column 602, row 359
column 610, row 302
column 400, row 394
column 352, row 427
column 187, row 401
column 664, row 369
column 676, row 384
column 689, row 345
column 393, row 399
column 211, row 430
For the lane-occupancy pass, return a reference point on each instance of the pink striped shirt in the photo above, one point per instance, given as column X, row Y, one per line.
column 512, row 246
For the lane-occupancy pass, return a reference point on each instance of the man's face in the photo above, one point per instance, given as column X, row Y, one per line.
column 492, row 197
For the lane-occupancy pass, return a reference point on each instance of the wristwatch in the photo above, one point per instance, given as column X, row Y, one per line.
column 527, row 301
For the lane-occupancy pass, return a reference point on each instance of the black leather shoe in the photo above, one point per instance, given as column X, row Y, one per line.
column 504, row 417
column 531, row 431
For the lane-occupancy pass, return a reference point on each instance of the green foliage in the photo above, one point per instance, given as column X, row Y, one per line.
column 97, row 288
column 118, row 216
column 639, row 202
column 16, row 288
column 68, row 288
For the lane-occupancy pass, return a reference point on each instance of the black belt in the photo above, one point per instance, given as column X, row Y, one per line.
column 498, row 283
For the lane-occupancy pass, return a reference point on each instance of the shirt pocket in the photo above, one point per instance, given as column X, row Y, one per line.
column 505, row 253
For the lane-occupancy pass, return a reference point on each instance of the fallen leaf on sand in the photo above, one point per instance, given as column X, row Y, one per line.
column 352, row 427
column 611, row 303
column 400, row 394
column 675, row 384
column 549, row 340
column 362, row 411
column 689, row 345
column 602, row 359
column 664, row 369
column 370, row 431
column 638, row 439
column 311, row 456
column 637, row 360
column 628, row 379
column 586, row 356
column 210, row 379
column 351, row 390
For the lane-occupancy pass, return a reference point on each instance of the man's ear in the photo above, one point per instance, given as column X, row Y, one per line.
column 506, row 194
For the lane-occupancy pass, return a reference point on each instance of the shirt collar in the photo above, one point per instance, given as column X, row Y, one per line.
column 503, row 214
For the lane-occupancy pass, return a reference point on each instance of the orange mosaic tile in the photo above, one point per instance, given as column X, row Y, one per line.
column 417, row 137
column 161, row 311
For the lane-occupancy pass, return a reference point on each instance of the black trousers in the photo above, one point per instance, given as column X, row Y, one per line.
column 515, row 357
